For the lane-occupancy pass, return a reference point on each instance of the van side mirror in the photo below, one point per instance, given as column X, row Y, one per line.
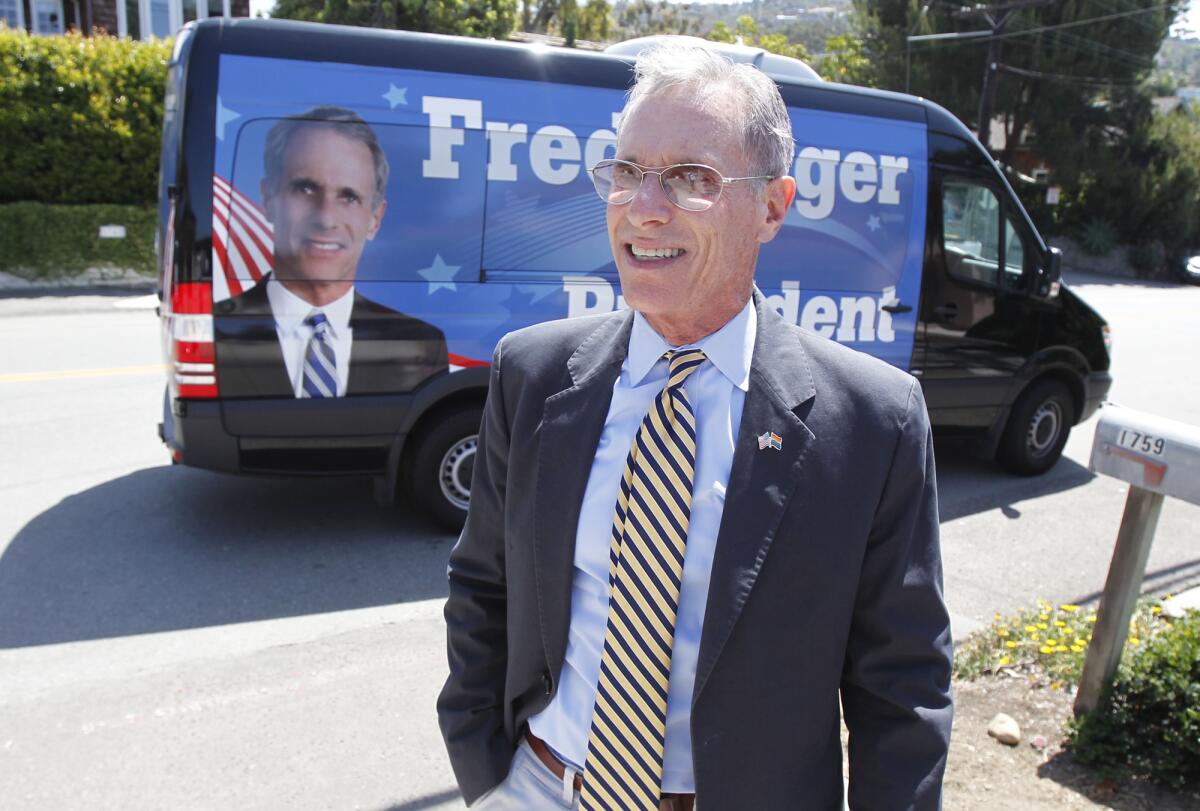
column 1049, row 280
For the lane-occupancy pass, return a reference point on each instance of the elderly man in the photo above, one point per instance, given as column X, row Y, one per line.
column 693, row 526
column 304, row 331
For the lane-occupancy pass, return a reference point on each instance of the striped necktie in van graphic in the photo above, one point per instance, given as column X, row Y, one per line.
column 625, row 747
column 320, row 365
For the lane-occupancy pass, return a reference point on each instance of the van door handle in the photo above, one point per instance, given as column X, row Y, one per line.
column 946, row 311
column 896, row 307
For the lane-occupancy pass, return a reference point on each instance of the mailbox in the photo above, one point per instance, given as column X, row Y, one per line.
column 1158, row 457
column 1153, row 453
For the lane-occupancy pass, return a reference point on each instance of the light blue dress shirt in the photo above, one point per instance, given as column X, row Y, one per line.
column 717, row 392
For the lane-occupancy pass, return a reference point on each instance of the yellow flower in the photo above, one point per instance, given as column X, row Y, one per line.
column 1060, row 623
column 1091, row 617
column 1043, row 616
column 1034, row 637
column 1002, row 633
column 1070, row 608
column 1042, row 626
column 1156, row 609
column 1077, row 648
column 1010, row 644
column 1061, row 648
column 1133, row 640
column 1046, row 649
column 1051, row 641
column 1031, row 628
column 1004, row 660
column 1089, row 639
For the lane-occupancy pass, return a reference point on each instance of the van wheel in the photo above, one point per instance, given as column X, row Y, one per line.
column 438, row 476
column 1037, row 429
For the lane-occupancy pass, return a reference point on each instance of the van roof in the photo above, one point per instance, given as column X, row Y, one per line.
column 774, row 65
column 290, row 39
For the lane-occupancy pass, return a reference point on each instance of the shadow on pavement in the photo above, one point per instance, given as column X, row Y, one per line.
column 170, row 548
column 968, row 485
column 429, row 801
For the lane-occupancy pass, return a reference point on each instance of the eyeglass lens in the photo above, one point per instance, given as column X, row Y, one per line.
column 690, row 186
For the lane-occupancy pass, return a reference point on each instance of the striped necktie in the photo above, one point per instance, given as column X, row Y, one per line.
column 320, row 364
column 625, row 747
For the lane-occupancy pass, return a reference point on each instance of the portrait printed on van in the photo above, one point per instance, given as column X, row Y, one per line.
column 304, row 330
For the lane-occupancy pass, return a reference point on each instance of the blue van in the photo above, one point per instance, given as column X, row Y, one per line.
column 351, row 218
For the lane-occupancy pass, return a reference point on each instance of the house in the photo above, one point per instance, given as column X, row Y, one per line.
column 140, row 19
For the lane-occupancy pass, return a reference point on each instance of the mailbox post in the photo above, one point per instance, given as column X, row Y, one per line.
column 1158, row 457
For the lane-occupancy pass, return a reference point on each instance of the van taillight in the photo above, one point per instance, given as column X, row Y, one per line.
column 192, row 340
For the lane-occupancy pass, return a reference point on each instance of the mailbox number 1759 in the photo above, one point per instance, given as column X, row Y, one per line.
column 1136, row 441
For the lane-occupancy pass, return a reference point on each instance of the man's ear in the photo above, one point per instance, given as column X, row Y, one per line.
column 267, row 193
column 376, row 218
column 778, row 196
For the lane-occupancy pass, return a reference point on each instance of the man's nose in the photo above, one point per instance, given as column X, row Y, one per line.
column 650, row 203
column 322, row 213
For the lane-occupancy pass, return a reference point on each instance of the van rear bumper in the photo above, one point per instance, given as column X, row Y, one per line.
column 198, row 436
column 1095, row 391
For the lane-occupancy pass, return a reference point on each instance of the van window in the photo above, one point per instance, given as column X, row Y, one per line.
column 971, row 231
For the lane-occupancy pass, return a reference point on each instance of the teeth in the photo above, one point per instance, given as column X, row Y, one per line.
column 655, row 253
column 325, row 246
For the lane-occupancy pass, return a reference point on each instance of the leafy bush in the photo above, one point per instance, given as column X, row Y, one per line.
column 1148, row 721
column 80, row 117
column 1097, row 237
column 40, row 241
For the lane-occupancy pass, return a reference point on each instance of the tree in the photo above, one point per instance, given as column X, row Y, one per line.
column 1057, row 58
column 473, row 18
column 746, row 32
column 643, row 18
column 845, row 60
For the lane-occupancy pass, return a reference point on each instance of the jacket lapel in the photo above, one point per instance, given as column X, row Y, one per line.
column 761, row 482
column 572, row 422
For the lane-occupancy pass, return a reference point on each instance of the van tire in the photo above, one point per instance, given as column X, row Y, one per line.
column 438, row 475
column 1037, row 428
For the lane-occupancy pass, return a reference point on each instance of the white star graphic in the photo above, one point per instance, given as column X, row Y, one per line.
column 440, row 275
column 224, row 116
column 873, row 223
column 396, row 95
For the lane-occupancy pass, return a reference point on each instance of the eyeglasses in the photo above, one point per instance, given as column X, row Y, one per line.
column 691, row 186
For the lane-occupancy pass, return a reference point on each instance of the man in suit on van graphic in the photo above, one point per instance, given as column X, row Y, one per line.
column 696, row 531
column 304, row 331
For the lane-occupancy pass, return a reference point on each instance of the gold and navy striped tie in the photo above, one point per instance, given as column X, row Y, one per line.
column 625, row 747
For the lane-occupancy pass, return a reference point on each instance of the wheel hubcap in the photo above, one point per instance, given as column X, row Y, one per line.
column 454, row 474
column 1045, row 427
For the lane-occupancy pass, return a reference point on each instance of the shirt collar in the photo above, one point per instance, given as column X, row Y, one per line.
column 729, row 349
column 290, row 310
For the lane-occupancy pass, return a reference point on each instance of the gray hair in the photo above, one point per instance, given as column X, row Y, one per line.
column 768, row 140
column 346, row 123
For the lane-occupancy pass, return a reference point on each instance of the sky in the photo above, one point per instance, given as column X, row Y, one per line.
column 1190, row 21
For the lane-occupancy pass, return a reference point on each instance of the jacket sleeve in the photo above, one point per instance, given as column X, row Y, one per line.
column 471, row 705
column 896, row 679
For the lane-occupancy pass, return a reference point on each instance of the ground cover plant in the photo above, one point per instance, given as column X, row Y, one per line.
column 1147, row 724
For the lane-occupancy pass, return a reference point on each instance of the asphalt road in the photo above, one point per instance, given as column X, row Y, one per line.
column 176, row 638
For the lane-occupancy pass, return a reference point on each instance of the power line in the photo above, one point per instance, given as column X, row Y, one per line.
column 983, row 36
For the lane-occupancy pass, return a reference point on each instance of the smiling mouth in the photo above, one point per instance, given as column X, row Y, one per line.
column 654, row 254
column 323, row 246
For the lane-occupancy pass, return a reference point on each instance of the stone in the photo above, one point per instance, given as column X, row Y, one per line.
column 1004, row 729
column 1038, row 742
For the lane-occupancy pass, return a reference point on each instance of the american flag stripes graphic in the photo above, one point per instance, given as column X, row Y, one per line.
column 243, row 241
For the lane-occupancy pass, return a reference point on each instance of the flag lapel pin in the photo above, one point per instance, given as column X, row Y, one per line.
column 770, row 440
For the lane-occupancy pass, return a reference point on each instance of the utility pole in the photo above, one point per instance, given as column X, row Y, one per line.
column 998, row 17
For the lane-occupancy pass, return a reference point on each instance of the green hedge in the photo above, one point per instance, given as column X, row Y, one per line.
column 80, row 118
column 44, row 241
